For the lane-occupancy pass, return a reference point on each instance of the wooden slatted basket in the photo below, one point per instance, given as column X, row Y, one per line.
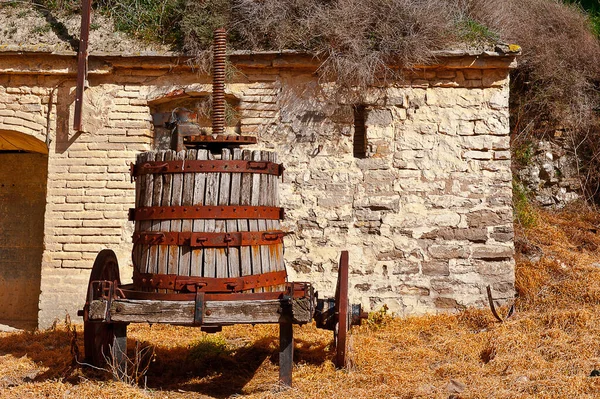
column 206, row 222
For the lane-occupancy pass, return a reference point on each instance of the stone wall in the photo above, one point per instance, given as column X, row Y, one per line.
column 426, row 214
column 550, row 172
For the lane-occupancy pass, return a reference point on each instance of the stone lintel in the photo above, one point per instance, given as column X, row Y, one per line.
column 65, row 63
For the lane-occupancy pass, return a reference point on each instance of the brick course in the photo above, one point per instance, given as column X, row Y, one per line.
column 426, row 216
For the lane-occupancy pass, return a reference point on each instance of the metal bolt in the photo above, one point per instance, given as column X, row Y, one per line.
column 208, row 312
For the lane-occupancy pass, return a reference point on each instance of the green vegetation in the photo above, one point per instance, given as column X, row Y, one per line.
column 592, row 7
column 60, row 6
column 555, row 86
column 524, row 213
column 150, row 20
column 474, row 33
column 210, row 349
column 522, row 153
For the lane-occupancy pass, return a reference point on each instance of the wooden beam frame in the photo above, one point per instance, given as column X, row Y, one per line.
column 215, row 312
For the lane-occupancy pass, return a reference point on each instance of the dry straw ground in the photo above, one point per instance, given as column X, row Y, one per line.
column 547, row 349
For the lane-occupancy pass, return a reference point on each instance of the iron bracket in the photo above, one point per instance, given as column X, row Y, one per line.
column 199, row 308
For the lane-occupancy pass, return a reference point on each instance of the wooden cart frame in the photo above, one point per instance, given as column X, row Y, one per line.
column 110, row 306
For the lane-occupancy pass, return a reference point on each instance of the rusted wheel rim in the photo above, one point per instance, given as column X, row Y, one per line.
column 98, row 337
column 106, row 267
column 341, row 311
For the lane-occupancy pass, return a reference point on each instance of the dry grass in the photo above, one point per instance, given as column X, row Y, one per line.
column 546, row 350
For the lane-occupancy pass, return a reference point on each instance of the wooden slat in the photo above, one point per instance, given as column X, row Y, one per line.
column 220, row 225
column 147, row 201
column 185, row 252
column 211, row 197
column 233, row 259
column 165, row 225
column 175, row 189
column 176, row 200
column 245, row 199
column 267, row 156
column 140, row 190
column 198, row 224
column 253, row 224
column 275, row 250
column 215, row 313
column 264, row 198
column 155, row 225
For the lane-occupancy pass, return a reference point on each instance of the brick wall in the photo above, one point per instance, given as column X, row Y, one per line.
column 426, row 215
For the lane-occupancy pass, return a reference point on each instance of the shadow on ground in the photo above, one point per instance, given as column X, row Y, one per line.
column 209, row 367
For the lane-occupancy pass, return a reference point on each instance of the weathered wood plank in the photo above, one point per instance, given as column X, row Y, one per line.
column 286, row 352
column 257, row 266
column 185, row 252
column 233, row 259
column 264, row 199
column 155, row 225
column 220, row 224
column 198, row 224
column 140, row 252
column 245, row 199
column 276, row 251
column 211, row 198
column 146, row 225
column 165, row 225
column 215, row 312
column 176, row 200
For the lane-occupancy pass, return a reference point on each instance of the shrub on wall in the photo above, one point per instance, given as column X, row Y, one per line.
column 555, row 87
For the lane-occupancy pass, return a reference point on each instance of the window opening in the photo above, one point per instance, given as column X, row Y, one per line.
column 360, row 132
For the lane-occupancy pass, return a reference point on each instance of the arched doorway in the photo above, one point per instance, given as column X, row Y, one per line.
column 23, row 180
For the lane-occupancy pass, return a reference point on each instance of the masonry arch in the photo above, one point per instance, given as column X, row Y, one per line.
column 23, row 181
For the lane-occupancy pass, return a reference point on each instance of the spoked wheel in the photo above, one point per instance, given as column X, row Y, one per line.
column 103, row 341
column 342, row 313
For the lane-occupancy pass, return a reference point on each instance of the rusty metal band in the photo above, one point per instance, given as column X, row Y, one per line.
column 207, row 166
column 208, row 284
column 209, row 240
column 205, row 212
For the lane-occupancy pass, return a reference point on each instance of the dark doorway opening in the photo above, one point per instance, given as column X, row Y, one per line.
column 23, row 181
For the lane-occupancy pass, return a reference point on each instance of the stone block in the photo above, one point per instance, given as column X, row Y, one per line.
column 466, row 128
column 396, row 96
column 472, row 234
column 435, row 268
column 406, row 289
column 483, row 218
column 379, row 117
column 446, row 74
column 494, row 78
column 373, row 164
column 503, row 233
column 445, row 233
column 473, row 73
column 402, row 267
column 447, row 251
column 493, row 268
column 483, row 155
column 362, row 287
column 446, row 303
column 491, row 252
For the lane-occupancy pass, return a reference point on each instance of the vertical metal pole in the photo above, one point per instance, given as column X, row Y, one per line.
column 286, row 352
column 86, row 7
column 218, row 100
column 341, row 310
